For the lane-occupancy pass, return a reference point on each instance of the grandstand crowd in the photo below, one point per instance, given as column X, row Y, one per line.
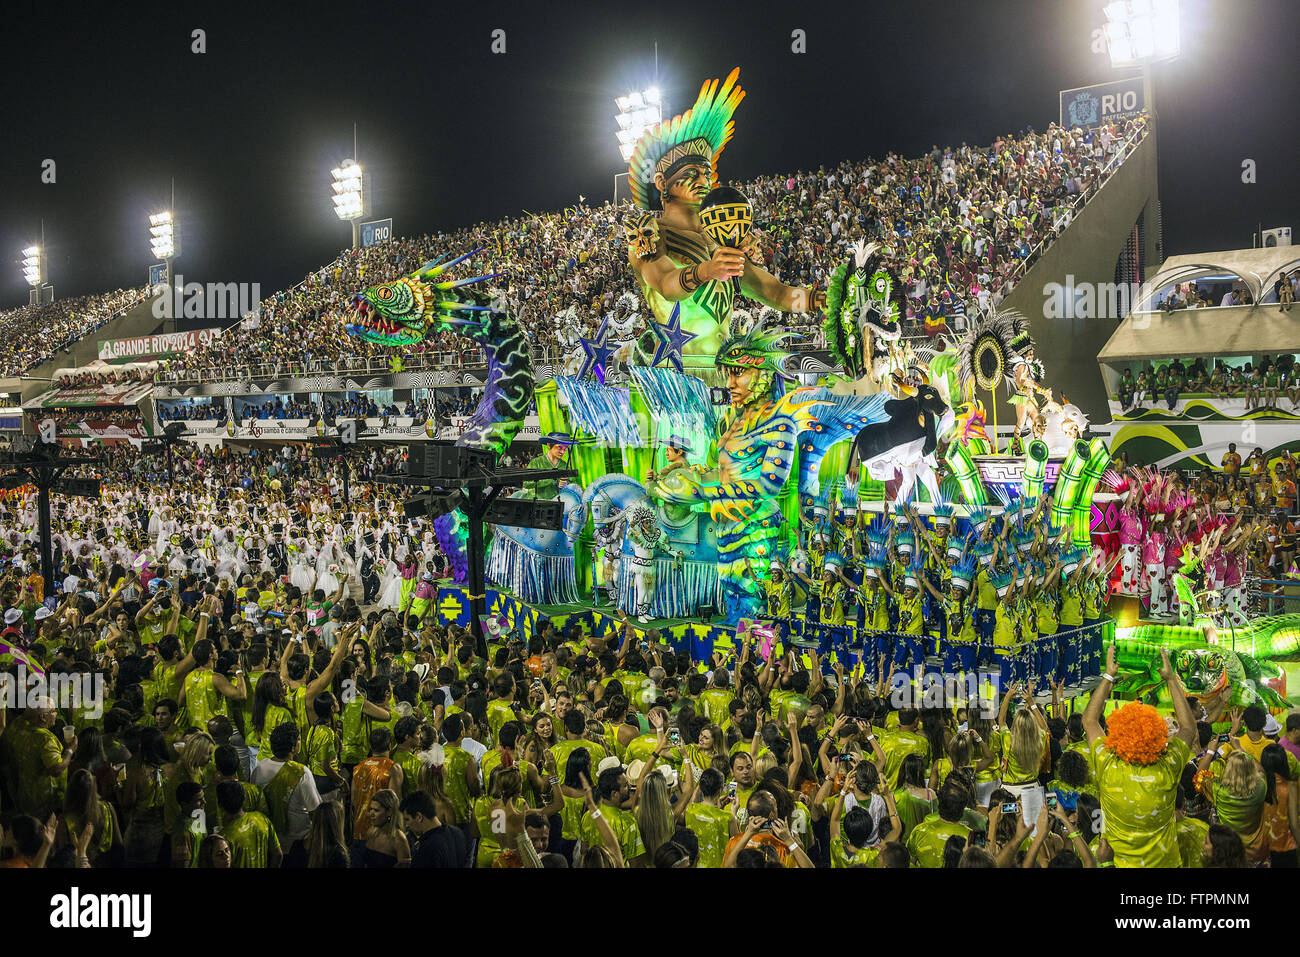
column 1264, row 386
column 1205, row 294
column 85, row 379
column 29, row 335
column 445, row 404
column 960, row 224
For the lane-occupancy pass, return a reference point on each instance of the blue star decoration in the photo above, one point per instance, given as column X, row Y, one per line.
column 672, row 339
column 597, row 352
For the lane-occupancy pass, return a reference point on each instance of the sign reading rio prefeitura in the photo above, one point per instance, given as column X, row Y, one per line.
column 1087, row 106
column 144, row 348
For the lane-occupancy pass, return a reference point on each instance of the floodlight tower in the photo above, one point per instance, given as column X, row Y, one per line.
column 35, row 272
column 349, row 197
column 1139, row 33
column 164, row 241
column 32, row 271
column 637, row 112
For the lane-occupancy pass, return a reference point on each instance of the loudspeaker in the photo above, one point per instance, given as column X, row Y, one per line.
column 526, row 513
column 428, row 460
column 432, row 505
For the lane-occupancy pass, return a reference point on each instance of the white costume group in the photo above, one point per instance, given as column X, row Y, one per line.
column 358, row 554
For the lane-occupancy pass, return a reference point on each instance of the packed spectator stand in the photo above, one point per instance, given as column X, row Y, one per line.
column 31, row 335
column 961, row 224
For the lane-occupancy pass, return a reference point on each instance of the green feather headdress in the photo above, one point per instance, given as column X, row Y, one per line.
column 756, row 349
column 700, row 134
column 860, row 295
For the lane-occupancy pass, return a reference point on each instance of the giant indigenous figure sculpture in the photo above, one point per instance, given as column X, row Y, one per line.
column 686, row 277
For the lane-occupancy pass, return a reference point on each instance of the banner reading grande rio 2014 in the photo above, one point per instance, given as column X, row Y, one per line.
column 154, row 347
column 1102, row 102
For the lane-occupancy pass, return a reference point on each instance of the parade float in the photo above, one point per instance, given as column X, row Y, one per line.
column 716, row 487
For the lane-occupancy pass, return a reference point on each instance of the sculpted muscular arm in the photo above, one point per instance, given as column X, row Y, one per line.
column 676, row 283
column 758, row 283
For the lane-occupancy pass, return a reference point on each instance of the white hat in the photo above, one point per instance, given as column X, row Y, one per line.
column 42, row 613
column 13, row 616
column 1271, row 724
column 609, row 764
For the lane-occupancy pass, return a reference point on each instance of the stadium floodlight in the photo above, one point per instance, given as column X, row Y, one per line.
column 1141, row 31
column 32, row 266
column 637, row 112
column 162, row 236
column 347, row 190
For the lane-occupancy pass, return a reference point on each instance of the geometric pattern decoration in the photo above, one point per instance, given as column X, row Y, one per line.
column 727, row 224
column 698, row 640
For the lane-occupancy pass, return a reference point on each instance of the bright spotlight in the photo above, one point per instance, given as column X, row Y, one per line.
column 1139, row 31
column 162, row 236
column 347, row 190
column 637, row 112
column 32, row 266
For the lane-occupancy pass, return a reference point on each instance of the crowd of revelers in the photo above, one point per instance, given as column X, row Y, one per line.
column 1246, row 517
column 30, row 335
column 280, row 688
column 959, row 225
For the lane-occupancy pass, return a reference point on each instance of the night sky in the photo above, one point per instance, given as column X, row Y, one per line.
column 451, row 134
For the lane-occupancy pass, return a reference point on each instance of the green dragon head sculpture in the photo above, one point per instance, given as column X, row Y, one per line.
column 404, row 311
column 1207, row 671
column 758, row 351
